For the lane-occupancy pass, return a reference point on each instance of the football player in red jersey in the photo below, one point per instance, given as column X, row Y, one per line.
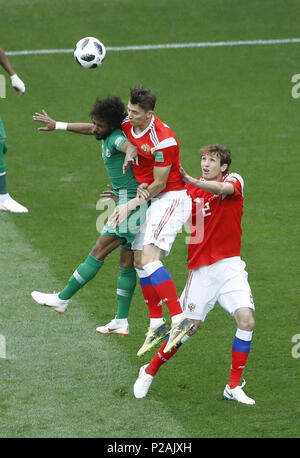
column 216, row 271
column 158, row 169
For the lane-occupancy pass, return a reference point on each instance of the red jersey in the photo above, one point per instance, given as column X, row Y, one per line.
column 220, row 218
column 163, row 150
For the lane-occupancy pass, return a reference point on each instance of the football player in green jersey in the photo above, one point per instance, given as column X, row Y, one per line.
column 107, row 115
column 6, row 202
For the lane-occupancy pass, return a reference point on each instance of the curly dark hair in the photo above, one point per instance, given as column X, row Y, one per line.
column 142, row 97
column 111, row 110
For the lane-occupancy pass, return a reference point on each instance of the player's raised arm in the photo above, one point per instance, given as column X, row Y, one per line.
column 214, row 187
column 51, row 124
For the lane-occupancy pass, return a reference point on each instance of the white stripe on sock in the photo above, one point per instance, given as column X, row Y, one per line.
column 79, row 278
column 123, row 292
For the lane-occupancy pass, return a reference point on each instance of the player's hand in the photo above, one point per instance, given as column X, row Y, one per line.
column 142, row 191
column 130, row 159
column 119, row 215
column 186, row 178
column 108, row 194
column 17, row 84
column 49, row 124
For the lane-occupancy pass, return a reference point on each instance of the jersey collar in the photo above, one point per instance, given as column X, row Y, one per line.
column 144, row 131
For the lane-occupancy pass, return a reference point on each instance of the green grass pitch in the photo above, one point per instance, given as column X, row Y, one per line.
column 59, row 378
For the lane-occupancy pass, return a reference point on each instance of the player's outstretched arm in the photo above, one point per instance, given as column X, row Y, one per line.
column 16, row 82
column 214, row 187
column 51, row 124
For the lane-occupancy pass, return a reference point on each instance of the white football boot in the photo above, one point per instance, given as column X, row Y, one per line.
column 50, row 300
column 115, row 326
column 10, row 205
column 237, row 394
column 142, row 383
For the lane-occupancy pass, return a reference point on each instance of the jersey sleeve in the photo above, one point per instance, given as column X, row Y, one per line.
column 117, row 141
column 165, row 156
column 238, row 183
column 166, row 152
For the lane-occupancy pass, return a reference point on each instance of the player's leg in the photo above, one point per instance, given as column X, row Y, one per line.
column 196, row 302
column 165, row 219
column 148, row 371
column 158, row 329
column 3, row 188
column 238, row 301
column 6, row 202
column 126, row 282
column 125, row 290
column 84, row 273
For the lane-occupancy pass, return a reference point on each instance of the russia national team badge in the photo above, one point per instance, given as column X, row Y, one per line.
column 191, row 307
column 145, row 149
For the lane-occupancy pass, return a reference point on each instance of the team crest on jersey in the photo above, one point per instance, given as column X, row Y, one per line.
column 145, row 149
column 107, row 153
column 191, row 307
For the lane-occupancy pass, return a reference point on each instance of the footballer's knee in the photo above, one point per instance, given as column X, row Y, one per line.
column 137, row 260
column 245, row 319
column 126, row 258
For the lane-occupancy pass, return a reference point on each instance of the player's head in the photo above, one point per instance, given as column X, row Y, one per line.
column 107, row 115
column 215, row 160
column 142, row 97
column 140, row 106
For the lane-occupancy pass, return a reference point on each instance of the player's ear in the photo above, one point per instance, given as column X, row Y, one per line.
column 224, row 168
column 149, row 114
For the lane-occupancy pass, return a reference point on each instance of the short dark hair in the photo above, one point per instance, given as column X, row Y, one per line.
column 111, row 110
column 142, row 97
column 221, row 151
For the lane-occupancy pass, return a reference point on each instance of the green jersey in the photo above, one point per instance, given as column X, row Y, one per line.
column 113, row 159
column 2, row 130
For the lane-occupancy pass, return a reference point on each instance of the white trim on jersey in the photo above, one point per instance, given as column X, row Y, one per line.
column 237, row 176
column 153, row 136
column 144, row 131
column 166, row 143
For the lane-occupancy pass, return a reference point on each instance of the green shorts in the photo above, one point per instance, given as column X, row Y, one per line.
column 127, row 231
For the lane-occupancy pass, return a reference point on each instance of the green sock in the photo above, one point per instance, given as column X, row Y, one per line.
column 3, row 188
column 83, row 274
column 125, row 290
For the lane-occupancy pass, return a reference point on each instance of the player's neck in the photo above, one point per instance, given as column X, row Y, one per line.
column 142, row 127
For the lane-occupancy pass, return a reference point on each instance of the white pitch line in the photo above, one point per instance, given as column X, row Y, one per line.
column 164, row 46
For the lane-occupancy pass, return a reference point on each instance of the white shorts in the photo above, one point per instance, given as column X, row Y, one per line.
column 165, row 218
column 225, row 281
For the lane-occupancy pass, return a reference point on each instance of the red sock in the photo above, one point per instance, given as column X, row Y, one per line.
column 153, row 301
column 159, row 359
column 156, row 275
column 168, row 293
column 239, row 360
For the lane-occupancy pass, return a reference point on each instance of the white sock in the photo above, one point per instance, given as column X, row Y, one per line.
column 3, row 197
column 177, row 318
column 154, row 322
column 121, row 320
